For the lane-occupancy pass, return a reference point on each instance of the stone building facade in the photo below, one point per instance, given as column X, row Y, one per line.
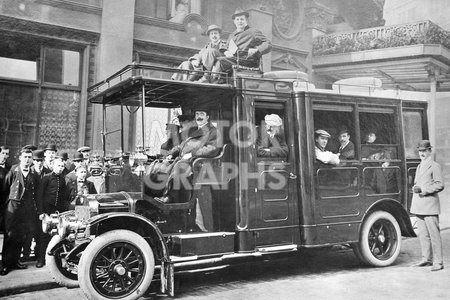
column 55, row 49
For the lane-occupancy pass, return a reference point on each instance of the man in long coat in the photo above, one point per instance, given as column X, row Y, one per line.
column 21, row 212
column 428, row 182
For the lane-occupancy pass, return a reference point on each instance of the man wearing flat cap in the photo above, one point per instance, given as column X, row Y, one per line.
column 205, row 59
column 246, row 42
column 321, row 140
column 272, row 142
column 86, row 151
column 428, row 182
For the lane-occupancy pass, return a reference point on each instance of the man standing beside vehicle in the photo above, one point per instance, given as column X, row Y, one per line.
column 428, row 182
column 52, row 197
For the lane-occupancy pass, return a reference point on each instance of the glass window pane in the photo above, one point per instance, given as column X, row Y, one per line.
column 62, row 66
column 412, row 122
column 339, row 122
column 18, row 59
column 18, row 69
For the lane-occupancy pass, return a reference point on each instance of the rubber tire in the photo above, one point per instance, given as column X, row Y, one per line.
column 366, row 254
column 101, row 242
column 50, row 261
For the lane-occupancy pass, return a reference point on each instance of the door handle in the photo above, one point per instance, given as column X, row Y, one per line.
column 292, row 176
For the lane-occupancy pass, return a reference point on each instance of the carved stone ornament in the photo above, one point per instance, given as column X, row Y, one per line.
column 289, row 61
column 287, row 14
column 318, row 17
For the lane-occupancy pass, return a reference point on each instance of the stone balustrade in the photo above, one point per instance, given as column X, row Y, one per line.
column 424, row 32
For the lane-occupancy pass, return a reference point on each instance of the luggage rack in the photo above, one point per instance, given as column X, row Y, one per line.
column 141, row 71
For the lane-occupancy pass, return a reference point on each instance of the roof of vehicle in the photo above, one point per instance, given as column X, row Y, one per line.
column 126, row 86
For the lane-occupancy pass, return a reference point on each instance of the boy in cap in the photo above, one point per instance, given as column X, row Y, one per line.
column 206, row 58
column 246, row 44
column 272, row 142
column 321, row 140
column 428, row 182
column 79, row 185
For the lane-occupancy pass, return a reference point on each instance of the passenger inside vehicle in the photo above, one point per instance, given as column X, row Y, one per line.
column 271, row 141
column 385, row 180
column 347, row 148
column 321, row 140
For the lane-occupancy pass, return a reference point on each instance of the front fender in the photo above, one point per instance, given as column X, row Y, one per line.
column 125, row 220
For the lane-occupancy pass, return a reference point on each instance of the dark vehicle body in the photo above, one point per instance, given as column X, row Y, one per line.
column 252, row 205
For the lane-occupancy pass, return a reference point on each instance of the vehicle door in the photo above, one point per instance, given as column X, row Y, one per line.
column 274, row 213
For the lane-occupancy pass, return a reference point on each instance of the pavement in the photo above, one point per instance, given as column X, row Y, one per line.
column 34, row 279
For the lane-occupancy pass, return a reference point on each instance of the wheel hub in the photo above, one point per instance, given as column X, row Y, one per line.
column 381, row 238
column 119, row 270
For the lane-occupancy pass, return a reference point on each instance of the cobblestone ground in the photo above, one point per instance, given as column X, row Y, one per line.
column 312, row 274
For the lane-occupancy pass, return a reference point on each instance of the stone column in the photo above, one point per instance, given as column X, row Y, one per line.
column 432, row 107
column 115, row 51
column 263, row 21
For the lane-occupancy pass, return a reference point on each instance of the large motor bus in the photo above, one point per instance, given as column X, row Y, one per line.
column 118, row 243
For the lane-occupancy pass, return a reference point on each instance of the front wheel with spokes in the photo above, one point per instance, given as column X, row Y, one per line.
column 116, row 265
column 380, row 239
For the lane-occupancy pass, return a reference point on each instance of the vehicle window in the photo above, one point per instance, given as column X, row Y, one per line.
column 270, row 127
column 338, row 182
column 382, row 179
column 379, row 133
column 412, row 124
column 335, row 120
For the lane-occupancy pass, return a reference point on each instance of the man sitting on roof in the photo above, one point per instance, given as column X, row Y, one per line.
column 246, row 44
column 205, row 59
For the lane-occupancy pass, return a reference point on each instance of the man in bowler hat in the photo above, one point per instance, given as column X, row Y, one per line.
column 428, row 182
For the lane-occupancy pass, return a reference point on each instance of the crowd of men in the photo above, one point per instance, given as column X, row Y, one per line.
column 41, row 182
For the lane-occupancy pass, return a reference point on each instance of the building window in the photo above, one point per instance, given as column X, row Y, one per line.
column 172, row 10
column 62, row 67
column 18, row 60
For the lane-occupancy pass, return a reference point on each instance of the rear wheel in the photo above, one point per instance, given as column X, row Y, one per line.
column 380, row 239
column 62, row 271
column 116, row 265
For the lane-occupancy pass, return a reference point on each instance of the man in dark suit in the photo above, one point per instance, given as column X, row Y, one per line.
column 79, row 185
column 39, row 170
column 347, row 148
column 203, row 141
column 21, row 211
column 4, row 169
column 52, row 197
column 425, row 205
column 272, row 142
